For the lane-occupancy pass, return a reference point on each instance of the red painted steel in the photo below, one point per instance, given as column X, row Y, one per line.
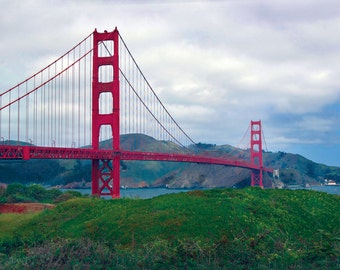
column 106, row 163
column 256, row 153
column 10, row 152
column 105, row 172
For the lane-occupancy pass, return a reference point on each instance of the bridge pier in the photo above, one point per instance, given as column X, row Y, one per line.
column 106, row 173
column 256, row 153
column 257, row 178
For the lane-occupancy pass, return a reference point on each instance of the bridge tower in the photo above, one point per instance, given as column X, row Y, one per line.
column 105, row 172
column 256, row 153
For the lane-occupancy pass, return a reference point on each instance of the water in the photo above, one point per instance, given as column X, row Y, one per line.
column 137, row 193
column 147, row 193
column 328, row 189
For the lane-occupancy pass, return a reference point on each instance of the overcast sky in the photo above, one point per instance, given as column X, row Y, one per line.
column 216, row 65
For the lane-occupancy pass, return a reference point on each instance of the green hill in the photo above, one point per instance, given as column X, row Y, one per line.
column 294, row 169
column 214, row 229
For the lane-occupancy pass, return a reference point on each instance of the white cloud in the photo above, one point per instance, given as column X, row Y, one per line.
column 216, row 64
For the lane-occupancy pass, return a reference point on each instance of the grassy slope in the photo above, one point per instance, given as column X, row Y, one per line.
column 266, row 225
column 9, row 223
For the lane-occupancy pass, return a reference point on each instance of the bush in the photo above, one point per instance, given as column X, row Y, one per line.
column 70, row 194
column 33, row 193
column 62, row 254
column 15, row 188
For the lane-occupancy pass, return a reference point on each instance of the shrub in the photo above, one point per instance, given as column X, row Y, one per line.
column 33, row 193
column 67, row 196
column 62, row 254
column 15, row 188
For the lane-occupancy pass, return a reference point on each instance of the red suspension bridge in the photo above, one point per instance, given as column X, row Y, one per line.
column 96, row 92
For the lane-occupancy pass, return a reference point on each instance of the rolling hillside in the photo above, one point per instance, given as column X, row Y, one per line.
column 294, row 169
column 247, row 228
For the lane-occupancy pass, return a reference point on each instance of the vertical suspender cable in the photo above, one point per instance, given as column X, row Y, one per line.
column 85, row 92
column 49, row 107
column 79, row 105
column 18, row 119
column 132, row 104
column 73, row 100
column 67, row 102
column 60, row 101
column 41, row 136
column 90, row 112
column 138, row 85
column 35, row 115
column 9, row 118
column 27, row 112
column 129, row 94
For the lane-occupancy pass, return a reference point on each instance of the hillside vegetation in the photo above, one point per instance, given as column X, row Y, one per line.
column 214, row 229
column 294, row 169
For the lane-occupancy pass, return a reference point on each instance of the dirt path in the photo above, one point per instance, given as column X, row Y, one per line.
column 24, row 207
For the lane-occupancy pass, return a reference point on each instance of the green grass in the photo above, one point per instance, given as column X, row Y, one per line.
column 245, row 229
column 9, row 223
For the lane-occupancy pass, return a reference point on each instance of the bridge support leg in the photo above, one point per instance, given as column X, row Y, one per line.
column 105, row 173
column 256, row 178
column 105, row 177
column 256, row 153
column 95, row 178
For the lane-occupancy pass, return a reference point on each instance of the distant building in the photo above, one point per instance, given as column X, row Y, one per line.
column 329, row 182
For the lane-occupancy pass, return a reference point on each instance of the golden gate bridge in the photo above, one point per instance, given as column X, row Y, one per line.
column 94, row 92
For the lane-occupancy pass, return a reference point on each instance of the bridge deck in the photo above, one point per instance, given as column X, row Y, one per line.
column 10, row 152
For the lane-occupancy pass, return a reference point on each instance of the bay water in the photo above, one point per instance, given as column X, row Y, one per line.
column 146, row 193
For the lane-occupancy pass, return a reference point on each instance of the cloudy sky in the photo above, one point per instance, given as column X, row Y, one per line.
column 215, row 64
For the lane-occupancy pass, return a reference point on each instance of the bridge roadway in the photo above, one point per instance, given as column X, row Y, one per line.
column 11, row 152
